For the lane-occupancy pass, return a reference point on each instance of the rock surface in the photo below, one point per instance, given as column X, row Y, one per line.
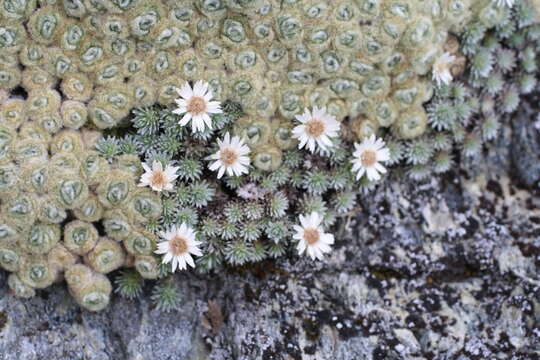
column 444, row 269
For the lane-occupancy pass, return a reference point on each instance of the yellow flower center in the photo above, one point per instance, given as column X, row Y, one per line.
column 196, row 105
column 228, row 156
column 315, row 127
column 368, row 158
column 158, row 179
column 440, row 68
column 311, row 236
column 178, row 245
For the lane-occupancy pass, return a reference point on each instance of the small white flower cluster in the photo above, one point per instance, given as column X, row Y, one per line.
column 232, row 158
column 196, row 105
column 317, row 128
column 315, row 132
column 180, row 240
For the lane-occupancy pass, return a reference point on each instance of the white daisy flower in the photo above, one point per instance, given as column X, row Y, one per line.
column 158, row 178
column 508, row 3
column 178, row 246
column 231, row 157
column 196, row 106
column 311, row 237
column 316, row 127
column 441, row 69
column 367, row 157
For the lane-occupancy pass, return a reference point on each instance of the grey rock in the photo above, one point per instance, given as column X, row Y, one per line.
column 526, row 144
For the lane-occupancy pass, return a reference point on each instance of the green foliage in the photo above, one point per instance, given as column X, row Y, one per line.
column 501, row 66
column 129, row 284
column 165, row 295
column 242, row 219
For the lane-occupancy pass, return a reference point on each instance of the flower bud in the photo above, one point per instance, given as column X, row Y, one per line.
column 364, row 128
column 19, row 209
column 94, row 168
column 17, row 10
column 45, row 25
column 32, row 54
column 36, row 78
column 36, row 178
column 8, row 178
column 42, row 101
column 67, row 141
